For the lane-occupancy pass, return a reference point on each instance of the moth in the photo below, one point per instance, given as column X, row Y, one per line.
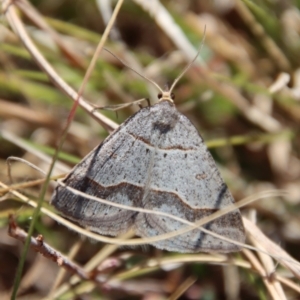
column 155, row 160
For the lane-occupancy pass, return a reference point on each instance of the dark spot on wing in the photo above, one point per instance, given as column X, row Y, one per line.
column 163, row 128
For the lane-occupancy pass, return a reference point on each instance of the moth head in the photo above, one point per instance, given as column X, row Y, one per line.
column 166, row 95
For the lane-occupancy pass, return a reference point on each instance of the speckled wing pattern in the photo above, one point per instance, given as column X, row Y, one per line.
column 155, row 160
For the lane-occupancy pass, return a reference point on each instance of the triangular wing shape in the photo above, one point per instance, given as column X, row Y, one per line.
column 154, row 160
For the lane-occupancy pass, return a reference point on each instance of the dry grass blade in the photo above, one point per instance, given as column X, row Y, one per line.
column 270, row 284
column 273, row 249
column 15, row 22
column 182, row 288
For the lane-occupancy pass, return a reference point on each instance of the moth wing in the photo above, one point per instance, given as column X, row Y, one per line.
column 184, row 181
column 113, row 171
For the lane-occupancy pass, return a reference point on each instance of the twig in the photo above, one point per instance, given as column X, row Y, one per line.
column 38, row 245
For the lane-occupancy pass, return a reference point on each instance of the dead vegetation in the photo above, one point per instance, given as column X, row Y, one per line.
column 242, row 94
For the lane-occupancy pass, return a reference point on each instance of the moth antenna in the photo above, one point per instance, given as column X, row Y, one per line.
column 135, row 71
column 190, row 63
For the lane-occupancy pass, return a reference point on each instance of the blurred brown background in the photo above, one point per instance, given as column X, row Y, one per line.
column 242, row 95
